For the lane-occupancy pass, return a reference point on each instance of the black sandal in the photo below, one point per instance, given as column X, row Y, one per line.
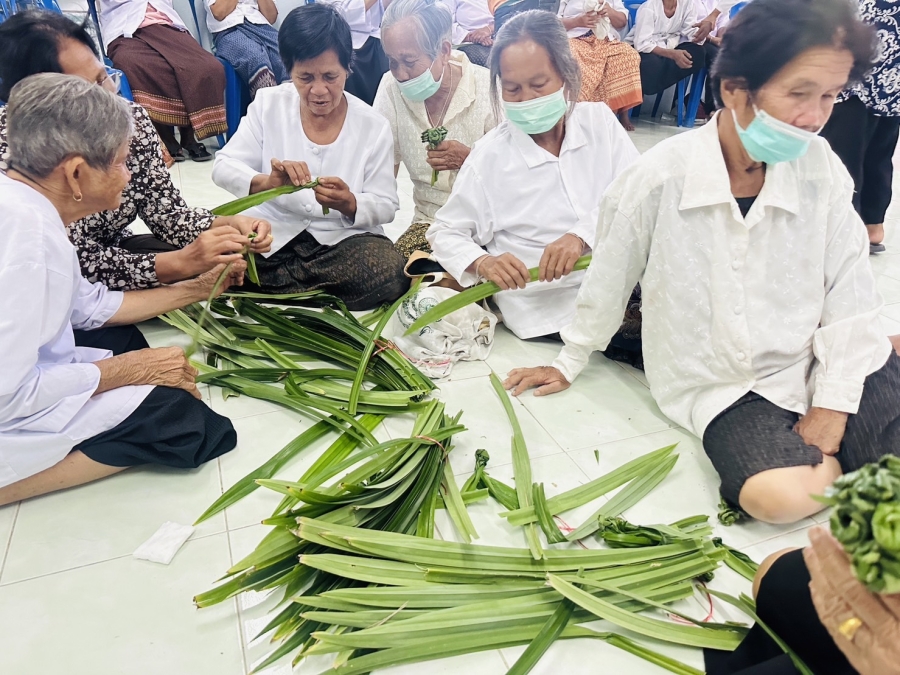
column 198, row 152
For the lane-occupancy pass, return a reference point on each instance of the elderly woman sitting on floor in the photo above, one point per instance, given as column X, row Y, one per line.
column 761, row 313
column 329, row 238
column 430, row 86
column 70, row 415
column 529, row 194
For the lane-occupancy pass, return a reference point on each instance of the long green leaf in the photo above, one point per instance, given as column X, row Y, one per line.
column 542, row 641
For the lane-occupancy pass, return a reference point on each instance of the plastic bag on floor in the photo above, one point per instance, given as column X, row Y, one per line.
column 465, row 335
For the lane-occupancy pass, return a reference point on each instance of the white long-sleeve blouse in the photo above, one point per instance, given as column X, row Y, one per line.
column 512, row 196
column 782, row 302
column 653, row 28
column 47, row 384
column 362, row 156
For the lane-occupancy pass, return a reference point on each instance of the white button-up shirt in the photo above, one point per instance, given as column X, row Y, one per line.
column 573, row 8
column 362, row 156
column 364, row 23
column 47, row 384
column 468, row 15
column 246, row 10
column 512, row 196
column 124, row 17
column 469, row 117
column 782, row 302
column 653, row 28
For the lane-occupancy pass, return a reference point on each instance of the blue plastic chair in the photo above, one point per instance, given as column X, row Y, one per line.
column 737, row 8
column 124, row 86
column 6, row 10
column 632, row 6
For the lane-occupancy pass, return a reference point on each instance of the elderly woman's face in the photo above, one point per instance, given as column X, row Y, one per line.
column 802, row 93
column 406, row 58
column 320, row 83
column 526, row 72
column 77, row 59
column 102, row 188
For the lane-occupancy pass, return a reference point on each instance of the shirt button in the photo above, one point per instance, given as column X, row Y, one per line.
column 306, row 222
column 745, row 383
column 852, row 398
column 738, row 309
column 740, row 356
column 308, row 208
column 315, row 151
column 736, row 265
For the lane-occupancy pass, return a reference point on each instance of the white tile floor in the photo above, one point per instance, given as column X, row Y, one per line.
column 73, row 600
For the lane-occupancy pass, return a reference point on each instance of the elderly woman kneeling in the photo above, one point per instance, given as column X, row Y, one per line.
column 430, row 87
column 70, row 415
column 529, row 194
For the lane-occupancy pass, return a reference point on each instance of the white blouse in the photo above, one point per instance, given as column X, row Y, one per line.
column 782, row 302
column 124, row 17
column 469, row 117
column 47, row 384
column 362, row 156
column 573, row 8
column 653, row 28
column 364, row 23
column 512, row 196
column 245, row 10
column 468, row 15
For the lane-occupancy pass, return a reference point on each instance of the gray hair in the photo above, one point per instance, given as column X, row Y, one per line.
column 432, row 20
column 545, row 29
column 51, row 117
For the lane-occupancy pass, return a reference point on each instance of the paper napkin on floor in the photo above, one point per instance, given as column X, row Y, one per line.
column 162, row 546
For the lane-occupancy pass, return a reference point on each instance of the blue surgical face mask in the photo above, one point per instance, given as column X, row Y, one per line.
column 422, row 87
column 537, row 115
column 770, row 140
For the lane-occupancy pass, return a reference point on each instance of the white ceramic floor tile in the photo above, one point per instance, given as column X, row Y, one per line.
column 122, row 616
column 7, row 520
column 108, row 518
column 889, row 288
column 892, row 311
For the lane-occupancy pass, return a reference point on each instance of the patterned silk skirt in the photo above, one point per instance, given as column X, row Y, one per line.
column 610, row 72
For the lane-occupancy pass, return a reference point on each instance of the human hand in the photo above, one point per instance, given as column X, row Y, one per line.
column 823, row 428
column 333, row 193
column 216, row 246
column 162, row 367
column 481, row 36
column 505, row 270
column 560, row 257
column 448, row 156
column 288, row 173
column 872, row 647
column 246, row 225
column 588, row 19
column 704, row 28
column 206, row 283
column 682, row 58
column 547, row 379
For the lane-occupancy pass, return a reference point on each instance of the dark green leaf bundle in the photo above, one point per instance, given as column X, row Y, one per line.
column 434, row 137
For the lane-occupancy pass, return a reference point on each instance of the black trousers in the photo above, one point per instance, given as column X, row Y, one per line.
column 785, row 605
column 170, row 427
column 865, row 143
column 709, row 100
column 659, row 73
column 369, row 64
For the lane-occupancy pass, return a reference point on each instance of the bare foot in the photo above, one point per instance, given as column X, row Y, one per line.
column 895, row 340
column 626, row 120
column 876, row 233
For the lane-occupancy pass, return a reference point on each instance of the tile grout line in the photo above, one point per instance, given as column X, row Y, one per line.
column 12, row 529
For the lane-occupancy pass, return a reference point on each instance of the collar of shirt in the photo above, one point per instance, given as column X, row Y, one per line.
column 706, row 180
column 534, row 155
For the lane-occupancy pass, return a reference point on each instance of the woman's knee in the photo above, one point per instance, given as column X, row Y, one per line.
column 782, row 496
column 765, row 566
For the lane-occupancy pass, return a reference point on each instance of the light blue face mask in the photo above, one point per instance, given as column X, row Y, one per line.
column 537, row 115
column 770, row 140
column 422, row 87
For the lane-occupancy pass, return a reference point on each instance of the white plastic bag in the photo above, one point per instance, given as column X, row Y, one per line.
column 601, row 30
column 465, row 335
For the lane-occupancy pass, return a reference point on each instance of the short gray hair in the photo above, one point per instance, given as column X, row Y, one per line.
column 51, row 117
column 432, row 20
column 546, row 30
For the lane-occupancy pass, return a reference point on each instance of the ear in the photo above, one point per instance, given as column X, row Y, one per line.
column 446, row 48
column 75, row 172
column 734, row 94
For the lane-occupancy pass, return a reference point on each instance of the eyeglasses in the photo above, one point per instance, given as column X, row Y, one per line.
column 113, row 80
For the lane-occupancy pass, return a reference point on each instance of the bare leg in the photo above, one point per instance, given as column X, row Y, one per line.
column 782, row 495
column 876, row 233
column 895, row 340
column 75, row 469
column 765, row 566
column 625, row 119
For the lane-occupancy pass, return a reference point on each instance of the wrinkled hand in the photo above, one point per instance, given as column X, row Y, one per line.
column 547, row 379
column 823, row 428
column 448, row 156
column 162, row 367
column 215, row 246
column 247, row 225
column 333, row 193
column 682, row 58
column 838, row 596
column 482, row 36
column 288, row 173
column 560, row 257
column 588, row 19
column 505, row 270
column 704, row 28
column 206, row 282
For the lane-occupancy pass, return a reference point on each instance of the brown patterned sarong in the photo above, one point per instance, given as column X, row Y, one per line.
column 610, row 72
column 413, row 240
column 176, row 81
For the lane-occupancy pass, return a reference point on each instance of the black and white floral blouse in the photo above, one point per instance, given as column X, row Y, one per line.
column 150, row 196
column 880, row 89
